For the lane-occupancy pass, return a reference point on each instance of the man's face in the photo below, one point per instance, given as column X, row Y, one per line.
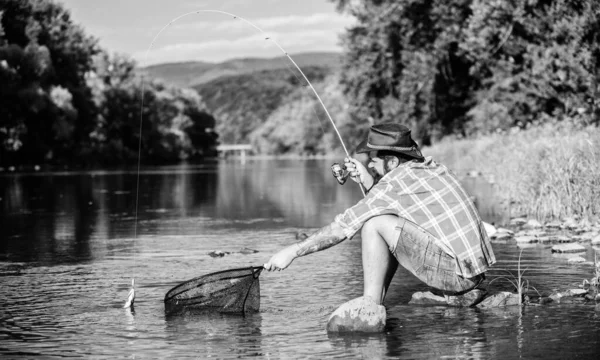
column 376, row 163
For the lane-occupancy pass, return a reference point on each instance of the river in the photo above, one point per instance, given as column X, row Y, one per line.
column 72, row 241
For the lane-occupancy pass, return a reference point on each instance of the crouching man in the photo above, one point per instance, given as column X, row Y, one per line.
column 417, row 215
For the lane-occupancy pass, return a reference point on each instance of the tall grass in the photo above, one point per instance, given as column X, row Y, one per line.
column 548, row 172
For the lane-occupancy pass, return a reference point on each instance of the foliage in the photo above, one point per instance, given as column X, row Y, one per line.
column 548, row 171
column 301, row 126
column 471, row 66
column 243, row 103
column 67, row 101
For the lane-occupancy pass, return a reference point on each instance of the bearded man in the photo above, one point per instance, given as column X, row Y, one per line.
column 416, row 214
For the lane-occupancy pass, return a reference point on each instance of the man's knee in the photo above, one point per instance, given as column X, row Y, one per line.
column 383, row 226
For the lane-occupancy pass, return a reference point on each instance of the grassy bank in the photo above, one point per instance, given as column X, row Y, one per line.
column 546, row 172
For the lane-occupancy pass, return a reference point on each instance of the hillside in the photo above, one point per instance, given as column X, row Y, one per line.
column 191, row 74
column 241, row 103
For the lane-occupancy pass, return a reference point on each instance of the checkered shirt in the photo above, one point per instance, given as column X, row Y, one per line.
column 429, row 195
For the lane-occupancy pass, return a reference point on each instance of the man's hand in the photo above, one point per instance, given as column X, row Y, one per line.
column 282, row 259
column 359, row 173
column 322, row 239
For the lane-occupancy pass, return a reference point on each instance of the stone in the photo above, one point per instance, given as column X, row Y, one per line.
column 568, row 248
column 217, row 253
column 501, row 236
column 518, row 221
column 358, row 315
column 427, row 298
column 586, row 236
column 576, row 260
column 570, row 223
column 247, row 251
column 533, row 232
column 553, row 225
column 532, row 224
column 467, row 299
column 556, row 297
column 596, row 240
column 576, row 292
column 489, row 228
column 500, row 299
column 545, row 300
column 526, row 239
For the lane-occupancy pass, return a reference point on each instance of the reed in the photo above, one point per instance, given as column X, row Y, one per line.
column 551, row 171
column 520, row 284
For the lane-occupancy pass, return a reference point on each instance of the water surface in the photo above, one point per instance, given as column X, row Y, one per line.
column 71, row 242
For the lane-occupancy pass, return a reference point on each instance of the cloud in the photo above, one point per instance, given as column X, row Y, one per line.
column 280, row 23
column 249, row 46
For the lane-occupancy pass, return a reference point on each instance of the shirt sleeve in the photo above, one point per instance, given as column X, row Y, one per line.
column 377, row 202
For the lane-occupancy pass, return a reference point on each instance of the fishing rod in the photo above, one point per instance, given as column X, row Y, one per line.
column 131, row 295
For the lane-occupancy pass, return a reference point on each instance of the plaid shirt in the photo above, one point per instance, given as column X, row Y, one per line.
column 428, row 194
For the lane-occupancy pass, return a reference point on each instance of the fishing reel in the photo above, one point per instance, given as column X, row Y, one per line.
column 340, row 173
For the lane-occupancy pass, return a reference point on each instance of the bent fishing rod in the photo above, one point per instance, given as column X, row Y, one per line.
column 131, row 295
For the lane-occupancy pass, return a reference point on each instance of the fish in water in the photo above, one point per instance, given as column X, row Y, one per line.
column 130, row 296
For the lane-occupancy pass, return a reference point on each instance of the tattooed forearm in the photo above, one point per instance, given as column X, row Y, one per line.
column 324, row 238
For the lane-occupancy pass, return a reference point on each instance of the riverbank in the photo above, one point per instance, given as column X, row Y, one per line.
column 546, row 172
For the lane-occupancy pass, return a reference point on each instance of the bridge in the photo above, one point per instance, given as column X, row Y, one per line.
column 226, row 149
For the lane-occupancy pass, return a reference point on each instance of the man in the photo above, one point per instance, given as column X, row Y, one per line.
column 416, row 215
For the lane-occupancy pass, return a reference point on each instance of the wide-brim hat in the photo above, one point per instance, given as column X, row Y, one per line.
column 390, row 137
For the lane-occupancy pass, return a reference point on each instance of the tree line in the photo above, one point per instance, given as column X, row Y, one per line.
column 67, row 101
column 468, row 67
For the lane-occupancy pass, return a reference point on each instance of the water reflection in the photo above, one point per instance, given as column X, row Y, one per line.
column 70, row 217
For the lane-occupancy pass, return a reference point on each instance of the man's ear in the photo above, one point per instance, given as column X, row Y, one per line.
column 394, row 162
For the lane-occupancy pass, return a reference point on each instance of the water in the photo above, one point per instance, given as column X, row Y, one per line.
column 69, row 248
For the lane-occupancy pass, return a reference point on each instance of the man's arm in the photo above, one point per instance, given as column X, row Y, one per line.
column 324, row 238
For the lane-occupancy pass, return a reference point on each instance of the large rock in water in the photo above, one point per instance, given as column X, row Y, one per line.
column 358, row 315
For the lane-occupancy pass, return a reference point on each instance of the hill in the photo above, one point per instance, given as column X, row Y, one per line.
column 191, row 74
column 241, row 103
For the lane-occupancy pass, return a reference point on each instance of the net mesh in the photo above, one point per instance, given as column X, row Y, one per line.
column 229, row 291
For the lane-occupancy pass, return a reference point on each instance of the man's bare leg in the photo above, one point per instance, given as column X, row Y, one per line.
column 379, row 265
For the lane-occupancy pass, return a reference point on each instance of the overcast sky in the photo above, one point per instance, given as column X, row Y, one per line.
column 128, row 26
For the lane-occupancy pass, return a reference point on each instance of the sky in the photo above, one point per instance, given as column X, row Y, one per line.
column 133, row 27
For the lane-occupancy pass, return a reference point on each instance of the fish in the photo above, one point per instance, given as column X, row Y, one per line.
column 130, row 296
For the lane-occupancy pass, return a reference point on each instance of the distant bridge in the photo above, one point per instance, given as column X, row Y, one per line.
column 226, row 149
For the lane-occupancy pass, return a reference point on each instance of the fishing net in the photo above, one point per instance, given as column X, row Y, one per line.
column 229, row 291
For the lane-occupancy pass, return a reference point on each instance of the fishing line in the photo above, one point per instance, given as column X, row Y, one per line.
column 267, row 37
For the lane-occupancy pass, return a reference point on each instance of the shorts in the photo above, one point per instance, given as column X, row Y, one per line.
column 430, row 260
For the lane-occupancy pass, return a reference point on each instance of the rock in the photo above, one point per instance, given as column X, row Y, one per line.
column 247, row 251
column 518, row 221
column 555, row 238
column 502, row 234
column 576, row 292
column 217, row 253
column 500, row 299
column 576, row 260
column 532, row 224
column 555, row 297
column 568, row 248
column 489, row 228
column 536, row 233
column 526, row 239
column 545, row 300
column 553, row 225
column 586, row 236
column 569, row 223
column 467, row 299
column 358, row 315
column 427, row 298
column 596, row 240
column 301, row 236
